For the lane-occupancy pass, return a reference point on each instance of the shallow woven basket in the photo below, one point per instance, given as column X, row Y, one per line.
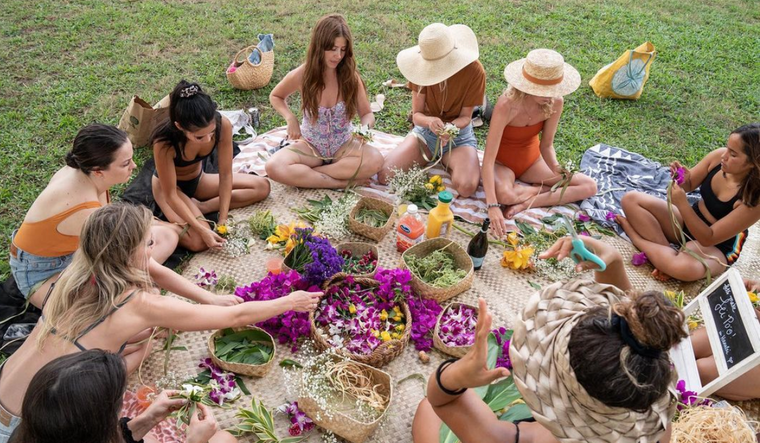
column 350, row 429
column 241, row 368
column 357, row 250
column 385, row 352
column 454, row 351
column 461, row 259
column 249, row 76
column 376, row 234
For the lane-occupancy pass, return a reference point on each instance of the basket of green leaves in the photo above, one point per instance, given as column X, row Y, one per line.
column 372, row 218
column 440, row 268
column 248, row 350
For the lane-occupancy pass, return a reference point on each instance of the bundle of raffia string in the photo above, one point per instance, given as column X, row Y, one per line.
column 716, row 425
column 351, row 380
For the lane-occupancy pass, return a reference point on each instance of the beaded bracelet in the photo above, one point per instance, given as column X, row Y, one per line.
column 438, row 373
column 126, row 432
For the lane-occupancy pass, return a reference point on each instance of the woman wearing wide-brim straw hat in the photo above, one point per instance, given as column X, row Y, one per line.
column 447, row 82
column 566, row 354
column 531, row 105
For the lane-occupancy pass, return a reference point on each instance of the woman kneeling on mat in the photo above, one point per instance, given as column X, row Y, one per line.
column 531, row 105
column 105, row 299
column 323, row 153
column 715, row 228
column 181, row 146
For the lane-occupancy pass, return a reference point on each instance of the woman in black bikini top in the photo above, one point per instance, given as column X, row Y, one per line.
column 194, row 130
column 715, row 228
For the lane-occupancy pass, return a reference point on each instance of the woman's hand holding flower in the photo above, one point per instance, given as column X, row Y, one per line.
column 203, row 425
column 562, row 248
column 302, row 301
column 678, row 196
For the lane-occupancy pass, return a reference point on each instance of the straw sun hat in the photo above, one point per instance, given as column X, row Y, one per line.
column 442, row 52
column 542, row 371
column 543, row 73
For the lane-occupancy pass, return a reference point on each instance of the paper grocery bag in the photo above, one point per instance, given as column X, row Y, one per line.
column 139, row 119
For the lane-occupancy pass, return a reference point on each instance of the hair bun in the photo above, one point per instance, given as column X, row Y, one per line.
column 653, row 320
column 71, row 160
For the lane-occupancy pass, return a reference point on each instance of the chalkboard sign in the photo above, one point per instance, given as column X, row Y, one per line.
column 733, row 337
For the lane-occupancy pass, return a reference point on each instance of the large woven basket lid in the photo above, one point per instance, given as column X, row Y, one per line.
column 547, row 382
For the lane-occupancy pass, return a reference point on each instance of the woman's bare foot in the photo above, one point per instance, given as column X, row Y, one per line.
column 661, row 276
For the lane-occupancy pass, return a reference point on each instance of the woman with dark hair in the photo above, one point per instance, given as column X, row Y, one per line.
column 716, row 227
column 182, row 190
column 323, row 153
column 590, row 359
column 88, row 388
column 106, row 297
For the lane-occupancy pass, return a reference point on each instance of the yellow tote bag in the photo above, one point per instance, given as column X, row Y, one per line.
column 625, row 77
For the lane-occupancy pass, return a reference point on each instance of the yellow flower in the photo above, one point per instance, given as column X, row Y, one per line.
column 383, row 315
column 436, row 180
column 400, row 328
column 375, row 332
column 397, row 309
column 397, row 318
column 518, row 259
column 513, row 239
column 352, row 308
column 222, row 230
column 693, row 325
column 289, row 245
column 394, row 335
column 441, row 189
column 385, row 336
column 753, row 297
column 429, row 186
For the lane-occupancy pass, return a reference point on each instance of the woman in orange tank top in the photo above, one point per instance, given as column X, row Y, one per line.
column 44, row 244
column 520, row 142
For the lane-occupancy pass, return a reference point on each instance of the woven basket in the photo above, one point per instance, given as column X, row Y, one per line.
column 385, row 352
column 247, row 75
column 357, row 250
column 376, row 234
column 350, row 429
column 461, row 259
column 241, row 368
column 454, row 351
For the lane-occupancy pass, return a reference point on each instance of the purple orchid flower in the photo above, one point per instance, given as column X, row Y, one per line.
column 639, row 259
column 610, row 216
column 583, row 217
column 679, row 176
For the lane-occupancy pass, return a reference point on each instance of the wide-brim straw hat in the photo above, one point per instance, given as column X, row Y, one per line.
column 547, row 382
column 442, row 52
column 543, row 73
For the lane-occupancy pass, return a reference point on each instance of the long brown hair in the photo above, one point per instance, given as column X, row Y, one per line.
column 750, row 187
column 103, row 268
column 323, row 36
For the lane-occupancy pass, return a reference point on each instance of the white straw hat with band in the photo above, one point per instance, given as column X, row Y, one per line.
column 442, row 52
column 543, row 73
column 548, row 384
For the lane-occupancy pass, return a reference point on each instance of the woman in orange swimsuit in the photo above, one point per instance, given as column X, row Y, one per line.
column 44, row 245
column 531, row 105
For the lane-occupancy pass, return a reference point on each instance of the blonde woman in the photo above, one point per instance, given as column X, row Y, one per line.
column 531, row 106
column 106, row 297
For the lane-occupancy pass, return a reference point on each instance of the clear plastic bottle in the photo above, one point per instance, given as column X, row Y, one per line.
column 440, row 218
column 410, row 230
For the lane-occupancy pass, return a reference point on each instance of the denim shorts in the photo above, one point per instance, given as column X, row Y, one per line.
column 466, row 137
column 31, row 271
column 8, row 421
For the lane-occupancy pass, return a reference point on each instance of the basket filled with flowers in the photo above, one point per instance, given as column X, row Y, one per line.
column 454, row 331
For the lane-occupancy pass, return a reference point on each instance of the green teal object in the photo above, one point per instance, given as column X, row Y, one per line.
column 445, row 197
column 579, row 252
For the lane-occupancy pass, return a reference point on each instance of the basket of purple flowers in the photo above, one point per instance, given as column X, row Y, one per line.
column 454, row 331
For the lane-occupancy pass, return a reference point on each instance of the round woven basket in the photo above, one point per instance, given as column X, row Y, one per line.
column 461, row 259
column 376, row 234
column 241, row 368
column 382, row 354
column 247, row 75
column 454, row 351
column 347, row 427
column 357, row 250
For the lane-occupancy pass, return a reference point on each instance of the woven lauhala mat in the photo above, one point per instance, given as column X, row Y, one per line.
column 254, row 153
column 506, row 292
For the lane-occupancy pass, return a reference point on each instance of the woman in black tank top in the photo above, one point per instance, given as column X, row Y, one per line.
column 182, row 145
column 716, row 227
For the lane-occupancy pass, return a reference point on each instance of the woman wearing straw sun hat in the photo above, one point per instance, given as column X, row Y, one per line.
column 447, row 82
column 590, row 359
column 531, row 105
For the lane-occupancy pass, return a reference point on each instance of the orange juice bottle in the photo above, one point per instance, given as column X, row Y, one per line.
column 410, row 230
column 440, row 218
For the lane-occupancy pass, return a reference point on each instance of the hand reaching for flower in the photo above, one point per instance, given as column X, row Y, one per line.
column 226, row 300
column 302, row 301
column 163, row 405
column 680, row 173
column 203, row 425
column 562, row 248
column 752, row 285
column 678, row 196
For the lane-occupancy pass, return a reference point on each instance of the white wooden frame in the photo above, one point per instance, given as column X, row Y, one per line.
column 682, row 354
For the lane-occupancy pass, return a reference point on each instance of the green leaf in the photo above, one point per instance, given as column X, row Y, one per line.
column 288, row 363
column 525, row 228
column 535, row 286
column 240, row 384
column 519, row 411
column 446, row 435
column 493, row 351
column 501, row 394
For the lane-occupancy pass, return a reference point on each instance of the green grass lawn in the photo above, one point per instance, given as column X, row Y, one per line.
column 64, row 64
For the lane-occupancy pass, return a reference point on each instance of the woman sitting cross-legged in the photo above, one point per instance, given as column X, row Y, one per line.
column 447, row 82
column 531, row 105
column 78, row 398
column 181, row 145
column 715, row 228
column 105, row 298
column 323, row 152
column 590, row 359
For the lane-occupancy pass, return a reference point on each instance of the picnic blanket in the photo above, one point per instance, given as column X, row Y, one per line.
column 505, row 290
column 616, row 172
column 254, row 152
